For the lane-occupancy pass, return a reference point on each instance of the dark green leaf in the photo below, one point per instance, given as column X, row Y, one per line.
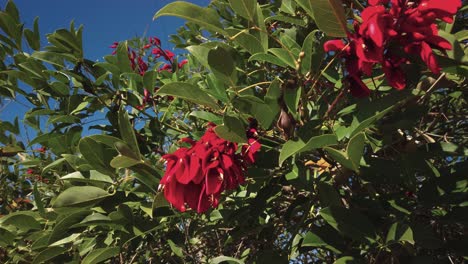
column 328, row 195
column 349, row 222
column 128, row 133
column 63, row 225
column 222, row 65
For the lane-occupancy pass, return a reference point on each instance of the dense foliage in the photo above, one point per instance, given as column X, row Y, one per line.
column 292, row 131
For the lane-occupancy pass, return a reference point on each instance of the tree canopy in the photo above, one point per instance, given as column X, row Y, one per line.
column 293, row 131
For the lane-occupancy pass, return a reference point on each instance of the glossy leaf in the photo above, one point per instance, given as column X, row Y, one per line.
column 244, row 8
column 206, row 18
column 329, row 16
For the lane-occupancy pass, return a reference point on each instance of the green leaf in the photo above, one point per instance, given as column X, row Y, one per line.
column 312, row 53
column 328, row 195
column 64, row 224
column 6, row 238
column 369, row 121
column 349, row 222
column 189, row 92
column 222, row 65
column 66, row 240
column 123, row 162
column 400, row 232
column 329, row 15
column 222, row 259
column 200, row 53
column 294, row 147
column 94, row 177
column 52, row 165
column 233, row 130
column 262, row 33
column 307, row 6
column 246, row 40
column 100, row 254
column 175, row 248
column 312, row 240
column 284, row 55
column 287, row 19
column 48, row 254
column 204, row 17
column 97, row 154
column 340, row 156
column 346, row 260
column 264, row 114
column 207, row 116
column 244, row 8
column 12, row 10
column 127, row 132
column 289, row 149
column 38, row 201
column 268, row 58
column 355, row 149
column 122, row 57
column 21, row 221
column 80, row 196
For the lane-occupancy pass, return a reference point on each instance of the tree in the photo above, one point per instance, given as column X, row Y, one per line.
column 290, row 131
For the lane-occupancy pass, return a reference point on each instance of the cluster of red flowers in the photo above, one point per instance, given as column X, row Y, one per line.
column 196, row 176
column 138, row 62
column 389, row 29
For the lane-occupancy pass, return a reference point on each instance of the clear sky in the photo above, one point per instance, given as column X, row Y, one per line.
column 104, row 22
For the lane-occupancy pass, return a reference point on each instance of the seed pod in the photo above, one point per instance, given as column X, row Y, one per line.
column 286, row 124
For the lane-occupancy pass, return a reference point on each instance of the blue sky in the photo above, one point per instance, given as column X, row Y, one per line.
column 104, row 22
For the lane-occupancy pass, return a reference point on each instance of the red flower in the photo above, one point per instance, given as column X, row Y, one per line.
column 155, row 41
column 394, row 75
column 357, row 87
column 196, row 176
column 377, row 25
column 166, row 67
column 157, row 51
column 42, row 149
column 30, row 171
column 168, row 55
column 404, row 27
column 182, row 63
